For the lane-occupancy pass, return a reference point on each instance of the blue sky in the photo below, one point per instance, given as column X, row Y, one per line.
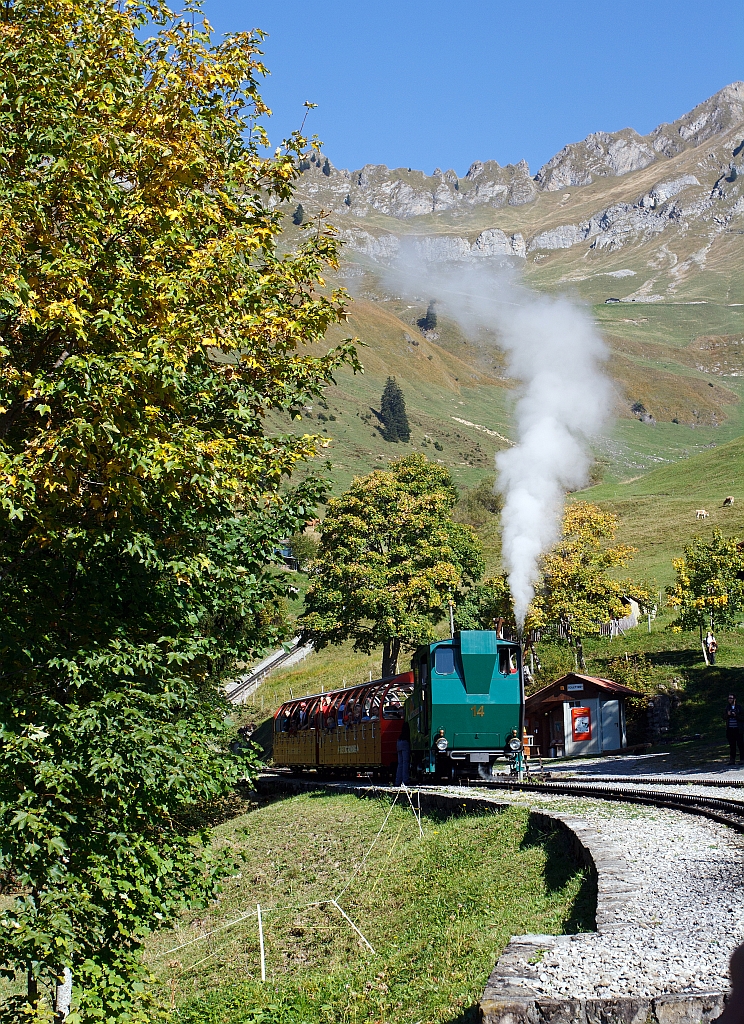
column 425, row 84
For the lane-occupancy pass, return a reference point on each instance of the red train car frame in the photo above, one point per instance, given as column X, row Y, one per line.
column 353, row 728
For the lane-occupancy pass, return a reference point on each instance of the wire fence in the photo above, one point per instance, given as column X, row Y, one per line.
column 261, row 911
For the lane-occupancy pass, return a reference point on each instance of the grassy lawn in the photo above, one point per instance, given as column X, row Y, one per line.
column 437, row 910
column 675, row 665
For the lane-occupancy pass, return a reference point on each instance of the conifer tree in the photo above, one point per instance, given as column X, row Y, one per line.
column 429, row 322
column 393, row 413
column 327, row 168
column 299, row 215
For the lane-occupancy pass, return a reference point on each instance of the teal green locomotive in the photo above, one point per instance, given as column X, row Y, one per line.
column 463, row 701
column 467, row 705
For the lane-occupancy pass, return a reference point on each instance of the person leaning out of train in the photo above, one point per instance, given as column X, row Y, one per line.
column 403, row 745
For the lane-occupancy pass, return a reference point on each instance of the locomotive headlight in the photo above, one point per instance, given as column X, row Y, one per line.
column 514, row 744
column 440, row 743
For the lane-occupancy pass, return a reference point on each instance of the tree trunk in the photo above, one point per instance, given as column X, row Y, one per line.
column 580, row 655
column 32, row 988
column 63, row 997
column 390, row 652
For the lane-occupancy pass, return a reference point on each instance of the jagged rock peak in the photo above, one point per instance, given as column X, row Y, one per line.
column 598, row 155
column 714, row 116
column 604, row 154
column 404, row 192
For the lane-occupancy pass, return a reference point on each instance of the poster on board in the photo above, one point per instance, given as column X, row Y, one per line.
column 581, row 724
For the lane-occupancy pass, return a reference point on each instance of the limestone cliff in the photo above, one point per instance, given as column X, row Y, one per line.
column 670, row 204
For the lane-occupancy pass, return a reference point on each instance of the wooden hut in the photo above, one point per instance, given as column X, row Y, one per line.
column 577, row 714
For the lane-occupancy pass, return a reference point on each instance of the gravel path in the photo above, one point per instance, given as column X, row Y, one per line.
column 684, row 917
column 646, row 764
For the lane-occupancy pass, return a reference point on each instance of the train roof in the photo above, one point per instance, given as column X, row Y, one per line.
column 403, row 677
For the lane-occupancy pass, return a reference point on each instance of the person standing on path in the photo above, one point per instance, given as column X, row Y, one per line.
column 711, row 646
column 404, row 755
column 734, row 719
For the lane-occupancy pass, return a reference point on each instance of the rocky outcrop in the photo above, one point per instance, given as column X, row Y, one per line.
column 614, row 226
column 599, row 155
column 616, row 153
column 385, row 248
column 669, row 221
column 713, row 117
column 403, row 193
column 674, row 202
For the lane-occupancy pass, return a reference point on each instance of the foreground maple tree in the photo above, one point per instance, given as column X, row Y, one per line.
column 147, row 325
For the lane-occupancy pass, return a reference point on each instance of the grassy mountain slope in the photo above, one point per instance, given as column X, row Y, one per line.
column 656, row 221
column 680, row 363
column 657, row 510
column 446, row 388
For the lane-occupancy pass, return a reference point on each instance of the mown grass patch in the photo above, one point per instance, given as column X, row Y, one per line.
column 438, row 910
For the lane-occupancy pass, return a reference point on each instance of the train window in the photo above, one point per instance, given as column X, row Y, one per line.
column 423, row 671
column 444, row 661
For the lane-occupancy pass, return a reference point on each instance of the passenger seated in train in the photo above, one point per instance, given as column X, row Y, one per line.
column 393, row 709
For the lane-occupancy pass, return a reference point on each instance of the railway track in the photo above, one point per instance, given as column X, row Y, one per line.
column 724, row 810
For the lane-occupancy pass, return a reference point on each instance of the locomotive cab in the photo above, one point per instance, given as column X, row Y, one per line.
column 467, row 701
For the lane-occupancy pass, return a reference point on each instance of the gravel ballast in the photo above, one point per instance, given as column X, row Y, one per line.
column 681, row 919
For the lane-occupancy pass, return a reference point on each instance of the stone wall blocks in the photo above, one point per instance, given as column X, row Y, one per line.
column 688, row 1009
column 618, row 1011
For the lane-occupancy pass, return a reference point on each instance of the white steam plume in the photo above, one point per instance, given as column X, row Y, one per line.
column 565, row 399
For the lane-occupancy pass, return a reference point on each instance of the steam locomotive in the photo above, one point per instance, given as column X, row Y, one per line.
column 463, row 700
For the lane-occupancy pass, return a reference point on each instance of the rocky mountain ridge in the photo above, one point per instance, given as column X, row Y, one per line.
column 656, row 210
column 404, row 192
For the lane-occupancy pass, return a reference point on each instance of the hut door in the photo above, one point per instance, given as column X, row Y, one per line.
column 610, row 725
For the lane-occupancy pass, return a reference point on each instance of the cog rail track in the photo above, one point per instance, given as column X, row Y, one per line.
column 660, row 780
column 723, row 810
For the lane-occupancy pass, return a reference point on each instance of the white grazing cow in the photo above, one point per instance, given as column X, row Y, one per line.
column 700, row 513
